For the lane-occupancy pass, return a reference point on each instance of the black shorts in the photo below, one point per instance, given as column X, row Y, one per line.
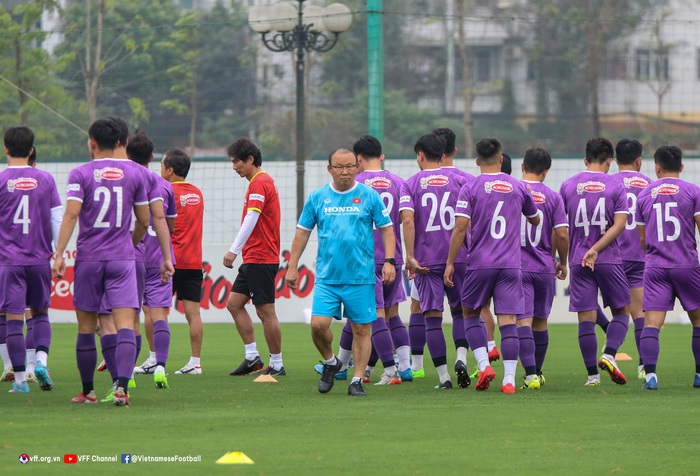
column 187, row 284
column 257, row 281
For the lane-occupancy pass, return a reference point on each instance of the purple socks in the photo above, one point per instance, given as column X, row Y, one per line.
column 527, row 349
column 86, row 356
column 16, row 345
column 588, row 343
column 416, row 333
column 436, row 340
column 161, row 341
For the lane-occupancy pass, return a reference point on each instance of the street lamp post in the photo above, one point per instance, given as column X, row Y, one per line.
column 292, row 26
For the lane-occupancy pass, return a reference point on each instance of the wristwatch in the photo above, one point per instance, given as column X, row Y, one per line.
column 391, row 261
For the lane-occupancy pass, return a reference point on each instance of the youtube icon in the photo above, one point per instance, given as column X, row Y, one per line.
column 70, row 459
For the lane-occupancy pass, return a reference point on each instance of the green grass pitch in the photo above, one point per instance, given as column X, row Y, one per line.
column 288, row 428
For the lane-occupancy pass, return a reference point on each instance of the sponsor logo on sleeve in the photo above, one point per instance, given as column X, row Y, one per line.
column 499, row 186
column 462, row 204
column 665, row 189
column 108, row 173
column 404, row 199
column 434, row 181
column 590, row 187
column 636, row 182
column 378, row 182
column 538, row 197
column 189, row 199
column 21, row 183
column 257, row 196
column 385, row 212
column 73, row 187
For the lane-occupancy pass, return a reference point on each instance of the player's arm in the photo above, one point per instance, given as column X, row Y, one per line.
column 642, row 230
column 534, row 220
column 56, row 217
column 459, row 232
column 160, row 226
column 389, row 241
column 409, row 239
column 561, row 239
column 171, row 224
column 619, row 223
column 301, row 238
column 70, row 218
column 141, row 225
column 249, row 222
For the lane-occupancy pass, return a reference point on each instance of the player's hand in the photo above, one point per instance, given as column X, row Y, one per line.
column 59, row 267
column 589, row 259
column 229, row 258
column 388, row 273
column 409, row 274
column 560, row 271
column 166, row 271
column 291, row 278
column 447, row 277
column 415, row 267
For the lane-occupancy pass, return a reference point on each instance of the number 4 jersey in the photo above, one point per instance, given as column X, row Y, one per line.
column 108, row 190
column 668, row 208
column 27, row 196
column 591, row 200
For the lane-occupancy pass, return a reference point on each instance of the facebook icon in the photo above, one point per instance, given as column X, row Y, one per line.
column 126, row 458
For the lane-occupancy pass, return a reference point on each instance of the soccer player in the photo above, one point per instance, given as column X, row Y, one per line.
column 538, row 265
column 31, row 212
column 344, row 212
column 668, row 213
column 187, row 245
column 628, row 153
column 259, row 240
column 427, row 205
column 596, row 206
column 491, row 206
column 101, row 194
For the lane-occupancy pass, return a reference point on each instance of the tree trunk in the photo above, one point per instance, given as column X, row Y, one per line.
column 194, row 110
column 467, row 93
column 594, row 47
column 93, row 58
column 20, row 84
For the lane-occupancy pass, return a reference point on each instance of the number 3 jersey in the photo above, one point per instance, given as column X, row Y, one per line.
column 591, row 200
column 27, row 196
column 108, row 190
column 495, row 203
column 668, row 208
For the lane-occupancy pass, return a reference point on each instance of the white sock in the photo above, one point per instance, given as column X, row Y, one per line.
column 194, row 361
column 442, row 373
column 20, row 377
column 151, row 357
column 482, row 357
column 390, row 371
column 276, row 361
column 251, row 351
column 509, row 367
column 42, row 357
column 404, row 353
column 462, row 354
column 160, row 368
column 610, row 358
column 344, row 356
column 491, row 344
column 417, row 362
column 6, row 362
column 31, row 360
column 331, row 361
column 649, row 376
column 356, row 379
column 369, row 369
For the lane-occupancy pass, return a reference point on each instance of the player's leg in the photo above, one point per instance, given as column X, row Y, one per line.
column 508, row 303
column 545, row 288
column 239, row 296
column 86, row 354
column 476, row 290
column 148, row 366
column 157, row 298
column 30, row 346
column 686, row 286
column 634, row 271
column 416, row 332
column 382, row 344
column 583, row 298
column 325, row 307
column 489, row 324
column 525, row 336
column 17, row 349
column 357, row 302
column 459, row 336
column 614, row 289
column 432, row 298
column 8, row 374
column 38, row 300
column 108, row 344
column 187, row 284
column 540, row 333
column 262, row 283
column 399, row 336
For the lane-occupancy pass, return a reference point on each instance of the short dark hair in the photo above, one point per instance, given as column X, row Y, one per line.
column 598, row 150
column 669, row 158
column 340, row 150
column 627, row 151
column 242, row 148
column 368, row 146
column 536, row 160
column 178, row 160
column 507, row 164
column 109, row 132
column 31, row 160
column 488, row 149
column 432, row 146
column 140, row 148
column 450, row 139
column 19, row 141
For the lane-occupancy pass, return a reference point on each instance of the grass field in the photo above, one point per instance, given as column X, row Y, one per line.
column 289, row 428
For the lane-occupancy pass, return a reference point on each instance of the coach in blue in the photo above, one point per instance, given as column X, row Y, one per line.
column 344, row 212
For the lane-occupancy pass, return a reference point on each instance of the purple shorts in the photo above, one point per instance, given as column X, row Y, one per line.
column 538, row 295
column 663, row 285
column 634, row 270
column 140, row 286
column 505, row 285
column 609, row 278
column 115, row 280
column 25, row 286
column 432, row 290
column 158, row 293
column 387, row 296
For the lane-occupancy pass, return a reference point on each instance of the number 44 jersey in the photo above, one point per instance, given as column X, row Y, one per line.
column 108, row 190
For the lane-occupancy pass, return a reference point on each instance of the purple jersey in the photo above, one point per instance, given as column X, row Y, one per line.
column 152, row 254
column 388, row 186
column 27, row 196
column 494, row 204
column 108, row 189
column 628, row 241
column 591, row 199
column 537, row 253
column 668, row 208
column 432, row 196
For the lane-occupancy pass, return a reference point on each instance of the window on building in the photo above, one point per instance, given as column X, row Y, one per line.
column 697, row 62
column 651, row 64
column 614, row 65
